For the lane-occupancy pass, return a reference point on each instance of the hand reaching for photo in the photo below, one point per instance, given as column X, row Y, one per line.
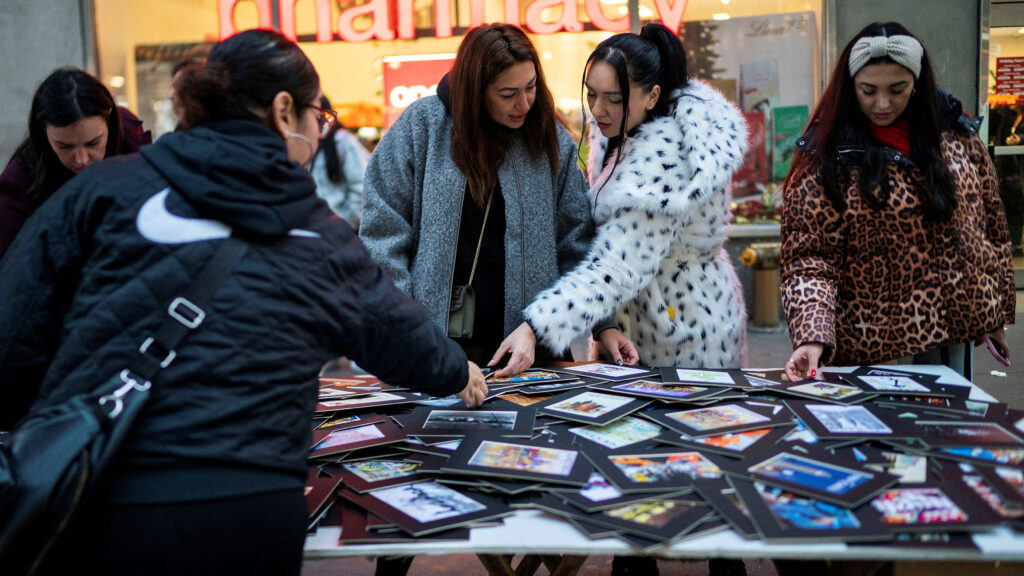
column 520, row 345
column 619, row 347
column 475, row 391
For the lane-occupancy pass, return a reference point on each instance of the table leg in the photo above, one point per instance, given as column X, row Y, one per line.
column 496, row 564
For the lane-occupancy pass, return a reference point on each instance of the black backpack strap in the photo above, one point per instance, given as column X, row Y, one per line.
column 185, row 313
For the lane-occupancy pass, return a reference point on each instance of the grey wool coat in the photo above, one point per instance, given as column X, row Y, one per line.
column 658, row 262
column 413, row 194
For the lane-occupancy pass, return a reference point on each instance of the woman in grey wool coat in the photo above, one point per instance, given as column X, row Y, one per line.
column 480, row 180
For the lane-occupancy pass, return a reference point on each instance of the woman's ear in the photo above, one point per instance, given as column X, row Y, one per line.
column 652, row 96
column 283, row 116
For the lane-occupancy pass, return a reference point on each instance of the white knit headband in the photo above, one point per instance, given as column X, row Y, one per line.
column 904, row 50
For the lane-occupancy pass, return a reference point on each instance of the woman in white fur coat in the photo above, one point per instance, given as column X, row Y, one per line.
column 660, row 196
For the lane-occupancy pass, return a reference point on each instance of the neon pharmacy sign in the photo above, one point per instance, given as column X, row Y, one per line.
column 394, row 19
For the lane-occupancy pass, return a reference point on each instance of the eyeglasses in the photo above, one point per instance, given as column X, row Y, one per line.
column 325, row 118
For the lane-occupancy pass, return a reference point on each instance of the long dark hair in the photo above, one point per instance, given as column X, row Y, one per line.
column 838, row 110
column 478, row 144
column 329, row 150
column 241, row 77
column 66, row 96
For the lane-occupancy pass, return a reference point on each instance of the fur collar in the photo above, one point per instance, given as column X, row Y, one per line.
column 672, row 161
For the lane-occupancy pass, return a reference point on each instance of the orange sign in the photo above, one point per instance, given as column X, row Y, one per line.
column 391, row 19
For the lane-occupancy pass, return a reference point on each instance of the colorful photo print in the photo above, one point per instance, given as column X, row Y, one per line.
column 608, row 371
column 917, row 506
column 535, row 459
column 381, row 470
column 590, row 404
column 983, row 488
column 660, row 389
column 826, row 390
column 551, row 388
column 848, row 419
column 717, row 417
column 628, row 430
column 794, row 512
column 979, row 433
column 528, row 376
column 810, row 474
column 993, row 455
column 428, row 501
column 341, row 438
column 664, row 467
column 733, row 441
column 754, row 381
column 471, row 419
column 339, row 421
column 719, row 377
column 654, row 514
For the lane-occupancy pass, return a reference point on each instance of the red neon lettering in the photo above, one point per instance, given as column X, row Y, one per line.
column 568, row 21
column 671, row 14
column 602, row 22
column 324, row 34
column 380, row 29
column 226, row 16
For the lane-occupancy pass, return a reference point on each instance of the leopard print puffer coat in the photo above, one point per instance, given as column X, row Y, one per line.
column 877, row 284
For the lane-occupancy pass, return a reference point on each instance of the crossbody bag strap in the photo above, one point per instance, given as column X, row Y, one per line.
column 480, row 242
column 185, row 313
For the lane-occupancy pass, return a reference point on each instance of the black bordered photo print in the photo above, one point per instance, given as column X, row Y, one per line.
column 820, row 478
column 368, row 401
column 703, row 376
column 988, row 487
column 590, row 407
column 829, row 421
column 966, row 432
column 724, row 499
column 609, row 371
column 492, row 455
column 531, row 376
column 933, row 507
column 825, row 391
column 510, row 420
column 600, row 494
column 556, row 387
column 349, row 421
column 348, row 439
column 622, row 432
column 784, row 516
column 734, row 444
column 663, row 468
column 662, row 519
column 902, row 384
column 666, row 392
column 718, row 419
column 426, row 507
column 366, row 475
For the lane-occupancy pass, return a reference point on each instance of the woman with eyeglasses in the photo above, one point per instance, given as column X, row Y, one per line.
column 338, row 169
column 473, row 198
column 72, row 124
column 211, row 478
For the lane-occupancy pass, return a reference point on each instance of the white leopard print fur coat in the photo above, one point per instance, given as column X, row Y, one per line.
column 658, row 263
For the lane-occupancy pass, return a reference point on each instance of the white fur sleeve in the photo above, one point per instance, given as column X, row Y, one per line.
column 624, row 258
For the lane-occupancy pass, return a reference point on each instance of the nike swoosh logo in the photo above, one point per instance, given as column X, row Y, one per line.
column 158, row 225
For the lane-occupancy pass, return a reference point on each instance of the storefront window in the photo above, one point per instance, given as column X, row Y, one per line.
column 763, row 54
column 1006, row 125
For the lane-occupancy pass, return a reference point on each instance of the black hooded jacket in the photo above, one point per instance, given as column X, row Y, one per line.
column 88, row 277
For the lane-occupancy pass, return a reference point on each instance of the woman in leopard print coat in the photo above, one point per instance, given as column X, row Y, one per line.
column 894, row 241
column 661, row 200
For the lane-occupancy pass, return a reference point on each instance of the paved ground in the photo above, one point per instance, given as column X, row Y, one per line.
column 766, row 348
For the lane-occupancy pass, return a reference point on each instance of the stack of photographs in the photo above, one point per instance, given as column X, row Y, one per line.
column 653, row 456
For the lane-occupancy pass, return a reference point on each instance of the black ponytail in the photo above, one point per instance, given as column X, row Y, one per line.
column 672, row 65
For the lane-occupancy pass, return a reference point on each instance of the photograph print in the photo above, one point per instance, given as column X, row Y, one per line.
column 557, row 462
column 591, row 407
column 655, row 470
column 711, row 420
column 819, row 478
column 842, row 421
column 669, row 392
